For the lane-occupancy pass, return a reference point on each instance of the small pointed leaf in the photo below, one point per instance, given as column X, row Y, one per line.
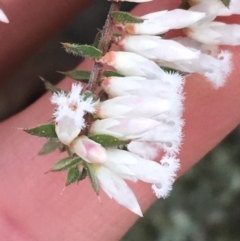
column 82, row 175
column 72, row 176
column 124, row 17
column 82, row 50
column 66, row 163
column 226, row 2
column 50, row 87
column 45, row 130
column 109, row 73
column 92, row 177
column 108, row 141
column 50, row 146
column 82, row 75
column 97, row 39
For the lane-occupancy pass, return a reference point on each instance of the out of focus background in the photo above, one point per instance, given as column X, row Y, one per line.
column 204, row 204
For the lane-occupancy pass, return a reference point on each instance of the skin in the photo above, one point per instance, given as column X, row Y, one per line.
column 31, row 206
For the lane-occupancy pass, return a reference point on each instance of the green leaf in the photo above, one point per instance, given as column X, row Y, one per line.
column 72, row 176
column 81, row 75
column 82, row 175
column 171, row 70
column 82, row 50
column 50, row 87
column 108, row 141
column 97, row 39
column 66, row 163
column 226, row 2
column 45, row 130
column 109, row 73
column 124, row 17
column 50, row 146
column 92, row 177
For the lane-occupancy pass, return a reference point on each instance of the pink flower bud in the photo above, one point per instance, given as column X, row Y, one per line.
column 123, row 127
column 89, row 150
column 3, row 17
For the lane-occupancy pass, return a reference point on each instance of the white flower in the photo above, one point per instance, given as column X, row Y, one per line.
column 217, row 33
column 164, row 86
column 123, row 127
column 133, row 106
column 123, row 164
column 217, row 6
column 115, row 187
column 131, row 64
column 215, row 65
column 3, row 17
column 154, row 47
column 162, row 21
column 88, row 150
column 69, row 113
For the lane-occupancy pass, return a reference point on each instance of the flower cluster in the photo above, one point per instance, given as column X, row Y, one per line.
column 136, row 132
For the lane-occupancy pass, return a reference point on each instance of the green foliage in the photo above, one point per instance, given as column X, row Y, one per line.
column 50, row 87
column 73, row 175
column 97, row 40
column 108, row 141
column 109, row 73
column 226, row 2
column 82, row 50
column 50, row 146
column 92, row 177
column 80, row 75
column 124, row 17
column 66, row 163
column 45, row 130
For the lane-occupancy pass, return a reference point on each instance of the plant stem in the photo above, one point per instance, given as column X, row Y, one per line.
column 103, row 46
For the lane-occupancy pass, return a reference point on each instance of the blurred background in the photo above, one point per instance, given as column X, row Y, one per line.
column 204, row 204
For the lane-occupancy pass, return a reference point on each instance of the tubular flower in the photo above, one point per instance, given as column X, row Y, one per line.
column 217, row 6
column 216, row 33
column 69, row 113
column 124, row 128
column 133, row 106
column 125, row 165
column 162, row 21
column 154, row 47
column 215, row 65
column 131, row 64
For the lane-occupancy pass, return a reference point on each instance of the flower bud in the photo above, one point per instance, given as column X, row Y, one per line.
column 3, row 17
column 89, row 150
column 124, row 128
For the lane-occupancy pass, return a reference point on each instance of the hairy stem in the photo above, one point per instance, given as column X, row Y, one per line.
column 103, row 46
